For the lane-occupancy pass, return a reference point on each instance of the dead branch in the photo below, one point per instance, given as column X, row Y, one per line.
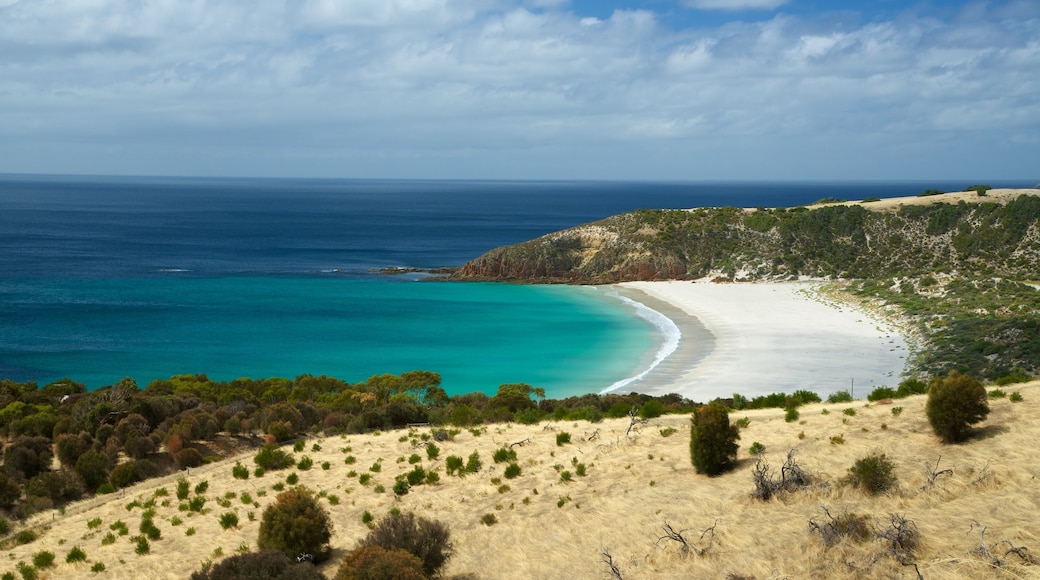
column 933, row 473
column 792, row 478
column 686, row 547
column 609, row 561
column 987, row 551
column 902, row 537
column 593, row 437
column 633, row 421
column 520, row 443
column 983, row 475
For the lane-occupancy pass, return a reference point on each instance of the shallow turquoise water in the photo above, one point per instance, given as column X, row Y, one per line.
column 568, row 340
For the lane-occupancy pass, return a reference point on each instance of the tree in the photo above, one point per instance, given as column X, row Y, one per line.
column 295, row 525
column 955, row 403
column 713, row 441
column 428, row 540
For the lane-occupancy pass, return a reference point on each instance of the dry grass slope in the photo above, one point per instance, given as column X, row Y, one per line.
column 633, row 486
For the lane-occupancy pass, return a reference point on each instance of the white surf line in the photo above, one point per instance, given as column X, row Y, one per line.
column 665, row 326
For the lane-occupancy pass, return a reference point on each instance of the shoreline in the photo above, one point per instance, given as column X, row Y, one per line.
column 767, row 337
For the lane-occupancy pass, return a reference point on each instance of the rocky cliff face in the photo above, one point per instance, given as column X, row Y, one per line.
column 998, row 237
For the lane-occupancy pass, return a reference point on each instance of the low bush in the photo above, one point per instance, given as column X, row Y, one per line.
column 228, row 520
column 76, row 554
column 512, row 470
column 882, row 393
column 428, row 540
column 272, row 457
column 848, row 525
column 240, row 471
column 503, row 455
column 840, row 397
column 378, row 563
column 756, row 448
column 563, row 438
column 791, row 415
column 268, row 564
column 43, row 559
column 296, row 524
column 873, row 474
column 489, row 519
column 955, row 403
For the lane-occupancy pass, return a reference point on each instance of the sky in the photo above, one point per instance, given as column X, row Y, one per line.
column 522, row 89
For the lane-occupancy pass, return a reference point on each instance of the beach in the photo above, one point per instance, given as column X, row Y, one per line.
column 766, row 337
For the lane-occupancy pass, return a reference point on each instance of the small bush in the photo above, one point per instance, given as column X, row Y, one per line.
column 473, row 464
column 98, row 567
column 756, row 448
column 272, row 457
column 503, row 455
column 791, row 415
column 43, row 559
column 228, row 520
column 850, row 412
column 489, row 519
column 668, row 431
column 201, row 487
column 840, row 397
column 305, row 463
column 268, row 564
column 743, row 422
column 401, row 487
column 1015, row 397
column 76, row 554
column 882, row 393
column 376, row 562
column 432, row 477
column 996, row 394
column 416, row 476
column 713, row 441
column 847, row 525
column 562, row 438
column 428, row 540
column 432, row 451
column 873, row 474
column 240, row 471
column 955, row 403
column 292, row 479
column 837, row 440
column 896, row 411
column 141, row 546
column 296, row 524
column 453, row 463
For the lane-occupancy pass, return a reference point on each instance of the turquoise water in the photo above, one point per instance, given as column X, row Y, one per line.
column 568, row 340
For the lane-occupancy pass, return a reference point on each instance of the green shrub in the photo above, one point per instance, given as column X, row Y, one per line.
column 896, row 411
column 1015, row 397
column 453, row 463
column 149, row 529
column 955, row 403
column 756, row 448
column 882, row 393
column 201, row 487
column 43, row 559
column 791, row 415
column 268, row 564
column 850, row 412
column 76, row 554
column 911, row 386
column 141, row 545
column 873, row 474
column 651, row 409
column 228, row 520
column 120, row 527
column 668, row 431
column 401, row 487
column 298, row 445
column 428, row 540
column 272, row 457
column 98, row 567
column 512, row 471
column 996, row 394
column 375, row 562
column 563, row 438
column 240, row 471
column 296, row 524
column 376, row 467
column 839, row 397
column 183, row 488
column 473, row 464
column 489, row 519
column 503, row 455
column 293, row 478
column 305, row 463
column 713, row 441
column 432, row 451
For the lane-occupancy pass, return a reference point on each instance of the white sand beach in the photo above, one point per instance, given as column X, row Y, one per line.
column 761, row 338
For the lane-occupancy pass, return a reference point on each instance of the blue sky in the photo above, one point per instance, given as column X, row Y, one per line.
column 522, row 89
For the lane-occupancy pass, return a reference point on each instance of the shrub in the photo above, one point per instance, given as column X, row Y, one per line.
column 201, row 487
column 1015, row 397
column 881, row 393
column 563, row 438
column 188, row 457
column 416, row 476
column 911, row 386
column 432, row 451
column 400, row 487
column 240, row 471
column 791, row 415
column 268, row 564
column 668, row 431
column 149, row 529
column 453, row 463
column 98, row 567
column 43, row 559
column 847, row 525
column 296, row 524
column 896, row 411
column 292, row 479
column 141, row 546
column 743, row 422
column 503, row 455
column 839, row 397
column 305, row 463
column 377, row 563
column 850, row 412
column 792, row 477
column 955, row 403
column 183, row 487
column 76, row 554
column 756, row 448
column 713, row 441
column 272, row 457
column 489, row 519
column 651, row 409
column 512, row 470
column 997, row 394
column 428, row 540
column 228, row 520
column 873, row 474
column 473, row 464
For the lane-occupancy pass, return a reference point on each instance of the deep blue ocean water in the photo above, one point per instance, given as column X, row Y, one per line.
column 106, row 277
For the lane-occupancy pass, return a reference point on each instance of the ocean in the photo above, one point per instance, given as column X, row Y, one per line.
column 149, row 277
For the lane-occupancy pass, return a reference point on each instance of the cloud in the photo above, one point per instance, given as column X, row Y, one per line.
column 734, row 5
column 491, row 88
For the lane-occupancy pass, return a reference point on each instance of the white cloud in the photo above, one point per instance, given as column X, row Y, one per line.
column 438, row 87
column 735, row 4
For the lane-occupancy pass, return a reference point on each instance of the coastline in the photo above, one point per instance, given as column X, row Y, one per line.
column 766, row 337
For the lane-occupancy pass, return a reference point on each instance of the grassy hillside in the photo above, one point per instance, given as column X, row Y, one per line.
column 632, row 486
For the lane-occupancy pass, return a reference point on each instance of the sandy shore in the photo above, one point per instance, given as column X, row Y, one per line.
column 761, row 338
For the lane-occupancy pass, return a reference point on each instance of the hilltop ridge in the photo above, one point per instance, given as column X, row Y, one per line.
column 964, row 233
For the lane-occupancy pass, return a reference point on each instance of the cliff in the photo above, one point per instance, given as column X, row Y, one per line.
column 964, row 233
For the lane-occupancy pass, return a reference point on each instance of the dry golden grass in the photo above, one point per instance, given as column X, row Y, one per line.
column 632, row 488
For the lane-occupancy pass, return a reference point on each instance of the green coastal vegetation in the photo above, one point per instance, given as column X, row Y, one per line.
column 963, row 276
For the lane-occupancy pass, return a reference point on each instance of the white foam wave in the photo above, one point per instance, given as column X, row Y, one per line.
column 172, row 270
column 665, row 326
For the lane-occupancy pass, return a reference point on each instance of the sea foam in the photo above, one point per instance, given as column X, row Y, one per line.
column 662, row 324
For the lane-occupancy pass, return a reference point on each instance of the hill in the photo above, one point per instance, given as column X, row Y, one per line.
column 963, row 233
column 968, row 518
